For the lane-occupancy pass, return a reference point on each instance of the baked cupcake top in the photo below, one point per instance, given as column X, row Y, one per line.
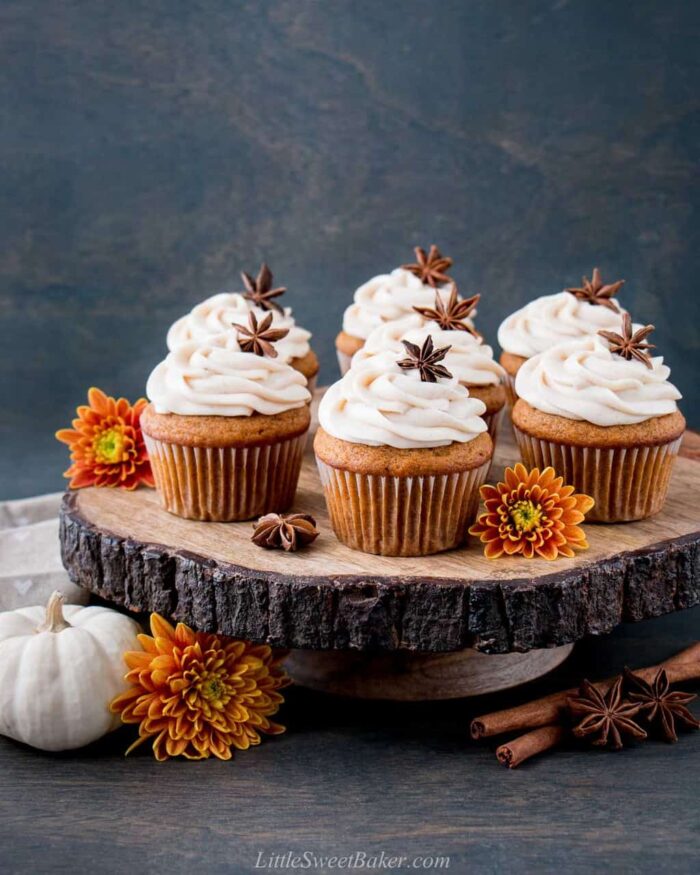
column 217, row 315
column 588, row 380
column 217, row 378
column 469, row 359
column 380, row 402
column 553, row 319
column 391, row 296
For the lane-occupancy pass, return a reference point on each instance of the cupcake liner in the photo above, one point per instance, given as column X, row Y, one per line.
column 401, row 516
column 509, row 384
column 493, row 423
column 627, row 483
column 225, row 484
column 343, row 362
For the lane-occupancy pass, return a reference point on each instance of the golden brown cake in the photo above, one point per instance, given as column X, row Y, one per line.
column 511, row 364
column 606, row 423
column 225, row 431
column 401, row 451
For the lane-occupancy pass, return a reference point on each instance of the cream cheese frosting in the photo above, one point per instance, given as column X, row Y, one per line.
column 387, row 297
column 553, row 319
column 584, row 380
column 215, row 378
column 217, row 315
column 377, row 403
column 469, row 359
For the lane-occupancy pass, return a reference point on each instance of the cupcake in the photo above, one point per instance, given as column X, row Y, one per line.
column 469, row 359
column 602, row 412
column 553, row 319
column 402, row 450
column 226, row 426
column 392, row 296
column 218, row 314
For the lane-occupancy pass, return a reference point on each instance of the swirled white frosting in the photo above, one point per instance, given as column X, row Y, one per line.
column 553, row 319
column 217, row 315
column 378, row 404
column 215, row 378
column 385, row 298
column 584, row 380
column 470, row 360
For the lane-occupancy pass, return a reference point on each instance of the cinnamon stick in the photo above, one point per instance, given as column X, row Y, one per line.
column 529, row 745
column 682, row 666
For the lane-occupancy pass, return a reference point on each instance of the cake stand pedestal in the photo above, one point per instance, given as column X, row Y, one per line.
column 433, row 627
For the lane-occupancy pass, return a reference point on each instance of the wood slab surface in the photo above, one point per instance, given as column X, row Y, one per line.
column 124, row 547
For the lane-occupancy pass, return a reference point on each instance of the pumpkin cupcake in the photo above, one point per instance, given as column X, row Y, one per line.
column 469, row 359
column 220, row 313
column 392, row 296
column 602, row 412
column 402, row 451
column 553, row 319
column 226, row 426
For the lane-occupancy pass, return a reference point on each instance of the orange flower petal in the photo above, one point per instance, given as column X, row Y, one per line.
column 198, row 695
column 160, row 628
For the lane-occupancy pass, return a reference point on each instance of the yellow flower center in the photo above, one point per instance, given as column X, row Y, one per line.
column 110, row 446
column 526, row 515
column 213, row 688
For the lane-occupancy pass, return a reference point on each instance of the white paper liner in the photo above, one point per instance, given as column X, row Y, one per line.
column 225, row 484
column 626, row 483
column 401, row 516
column 493, row 423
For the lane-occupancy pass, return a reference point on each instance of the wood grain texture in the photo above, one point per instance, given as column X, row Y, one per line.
column 351, row 775
column 123, row 547
column 402, row 676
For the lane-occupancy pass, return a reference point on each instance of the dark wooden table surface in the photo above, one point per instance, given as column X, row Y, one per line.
column 351, row 776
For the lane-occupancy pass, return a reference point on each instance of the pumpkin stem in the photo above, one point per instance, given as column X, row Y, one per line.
column 54, row 620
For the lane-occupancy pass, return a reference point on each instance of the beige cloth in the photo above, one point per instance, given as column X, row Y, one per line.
column 30, row 557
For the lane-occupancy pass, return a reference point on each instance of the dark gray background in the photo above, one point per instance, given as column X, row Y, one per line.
column 149, row 151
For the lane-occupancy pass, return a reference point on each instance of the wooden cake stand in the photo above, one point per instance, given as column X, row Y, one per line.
column 454, row 624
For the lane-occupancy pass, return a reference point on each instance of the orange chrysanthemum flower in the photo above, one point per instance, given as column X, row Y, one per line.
column 532, row 514
column 197, row 694
column 106, row 443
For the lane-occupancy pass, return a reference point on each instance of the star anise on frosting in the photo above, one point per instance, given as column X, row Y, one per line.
column 659, row 705
column 281, row 531
column 258, row 337
column 260, row 291
column 425, row 359
column 451, row 316
column 630, row 344
column 606, row 717
column 596, row 292
column 430, row 268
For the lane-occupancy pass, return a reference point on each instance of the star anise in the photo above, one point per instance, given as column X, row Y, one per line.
column 430, row 268
column 425, row 359
column 630, row 344
column 660, row 706
column 607, row 717
column 260, row 290
column 453, row 315
column 259, row 337
column 284, row 531
column 595, row 292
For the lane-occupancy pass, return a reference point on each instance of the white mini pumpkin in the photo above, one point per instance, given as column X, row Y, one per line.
column 60, row 667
